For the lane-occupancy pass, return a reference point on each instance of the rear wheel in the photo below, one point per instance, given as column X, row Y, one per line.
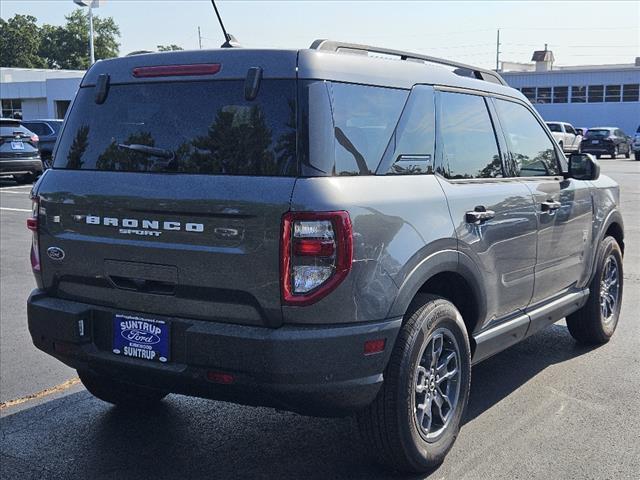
column 597, row 320
column 615, row 151
column 598, row 156
column 416, row 416
column 27, row 178
column 628, row 154
column 120, row 393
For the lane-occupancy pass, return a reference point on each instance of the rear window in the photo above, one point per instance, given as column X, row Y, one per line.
column 597, row 133
column 200, row 127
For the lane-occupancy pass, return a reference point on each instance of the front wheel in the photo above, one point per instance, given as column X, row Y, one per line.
column 120, row 393
column 416, row 417
column 596, row 322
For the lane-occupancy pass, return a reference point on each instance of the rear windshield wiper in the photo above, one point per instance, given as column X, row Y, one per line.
column 146, row 149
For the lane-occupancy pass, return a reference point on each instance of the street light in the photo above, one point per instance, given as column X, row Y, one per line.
column 91, row 4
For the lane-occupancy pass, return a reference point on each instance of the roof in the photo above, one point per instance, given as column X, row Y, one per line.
column 543, row 56
column 306, row 64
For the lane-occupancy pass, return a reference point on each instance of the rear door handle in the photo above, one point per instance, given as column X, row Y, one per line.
column 479, row 215
column 550, row 206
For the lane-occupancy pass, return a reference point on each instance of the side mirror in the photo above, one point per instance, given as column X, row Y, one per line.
column 583, row 166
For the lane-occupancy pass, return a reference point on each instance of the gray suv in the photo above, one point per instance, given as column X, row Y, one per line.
column 337, row 230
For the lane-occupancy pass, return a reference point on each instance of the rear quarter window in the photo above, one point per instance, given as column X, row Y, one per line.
column 204, row 127
column 346, row 127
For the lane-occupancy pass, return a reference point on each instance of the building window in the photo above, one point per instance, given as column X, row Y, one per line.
column 11, row 108
column 612, row 93
column 578, row 94
column 61, row 108
column 596, row 93
column 530, row 93
column 544, row 95
column 631, row 92
column 560, row 94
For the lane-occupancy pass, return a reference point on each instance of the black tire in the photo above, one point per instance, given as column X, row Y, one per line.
column 615, row 152
column 120, row 393
column 628, row 154
column 561, row 145
column 22, row 179
column 390, row 425
column 636, row 155
column 590, row 325
column 598, row 155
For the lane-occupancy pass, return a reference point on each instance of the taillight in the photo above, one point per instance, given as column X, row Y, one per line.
column 316, row 252
column 32, row 224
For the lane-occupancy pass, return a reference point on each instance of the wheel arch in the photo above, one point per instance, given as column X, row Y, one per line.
column 451, row 275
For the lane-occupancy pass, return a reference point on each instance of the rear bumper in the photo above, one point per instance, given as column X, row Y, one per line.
column 598, row 149
column 311, row 370
column 21, row 166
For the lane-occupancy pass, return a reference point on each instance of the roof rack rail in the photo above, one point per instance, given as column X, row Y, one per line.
column 460, row 68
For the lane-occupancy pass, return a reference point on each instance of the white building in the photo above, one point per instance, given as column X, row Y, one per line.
column 37, row 93
column 585, row 96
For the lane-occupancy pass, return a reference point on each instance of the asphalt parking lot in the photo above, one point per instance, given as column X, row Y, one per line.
column 544, row 409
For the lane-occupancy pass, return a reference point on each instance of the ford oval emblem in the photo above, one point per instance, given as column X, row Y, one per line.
column 140, row 336
column 55, row 253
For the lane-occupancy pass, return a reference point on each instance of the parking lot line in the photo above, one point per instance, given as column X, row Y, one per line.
column 42, row 393
column 15, row 192
column 15, row 209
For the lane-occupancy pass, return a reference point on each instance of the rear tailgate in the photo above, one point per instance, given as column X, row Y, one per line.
column 169, row 186
column 193, row 246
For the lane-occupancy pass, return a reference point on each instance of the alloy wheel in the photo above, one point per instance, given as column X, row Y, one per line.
column 437, row 387
column 609, row 289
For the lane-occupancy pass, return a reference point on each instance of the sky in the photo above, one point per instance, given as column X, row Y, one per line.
column 578, row 32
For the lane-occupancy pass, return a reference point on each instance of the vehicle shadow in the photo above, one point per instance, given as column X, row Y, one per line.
column 78, row 436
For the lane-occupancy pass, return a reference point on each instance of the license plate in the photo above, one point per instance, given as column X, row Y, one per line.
column 17, row 146
column 143, row 338
column 595, row 142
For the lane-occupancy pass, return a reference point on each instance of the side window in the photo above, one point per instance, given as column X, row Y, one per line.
column 570, row 129
column 410, row 150
column 39, row 129
column 467, row 140
column 532, row 151
column 364, row 119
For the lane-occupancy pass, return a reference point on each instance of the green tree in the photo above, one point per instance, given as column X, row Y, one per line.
column 19, row 42
column 169, row 48
column 67, row 46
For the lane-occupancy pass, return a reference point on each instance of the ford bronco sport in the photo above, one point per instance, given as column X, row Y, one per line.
column 335, row 230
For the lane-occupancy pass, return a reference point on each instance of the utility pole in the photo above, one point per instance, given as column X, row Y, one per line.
column 91, row 46
column 498, row 51
column 199, row 38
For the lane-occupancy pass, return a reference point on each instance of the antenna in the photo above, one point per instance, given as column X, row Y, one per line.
column 229, row 40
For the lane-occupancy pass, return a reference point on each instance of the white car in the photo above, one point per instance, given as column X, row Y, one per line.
column 567, row 137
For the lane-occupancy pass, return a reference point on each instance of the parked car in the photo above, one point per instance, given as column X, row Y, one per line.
column 606, row 141
column 567, row 137
column 47, row 131
column 636, row 144
column 19, row 155
column 302, row 242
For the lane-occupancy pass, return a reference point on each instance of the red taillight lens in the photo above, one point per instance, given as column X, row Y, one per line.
column 316, row 254
column 177, row 70
column 32, row 224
